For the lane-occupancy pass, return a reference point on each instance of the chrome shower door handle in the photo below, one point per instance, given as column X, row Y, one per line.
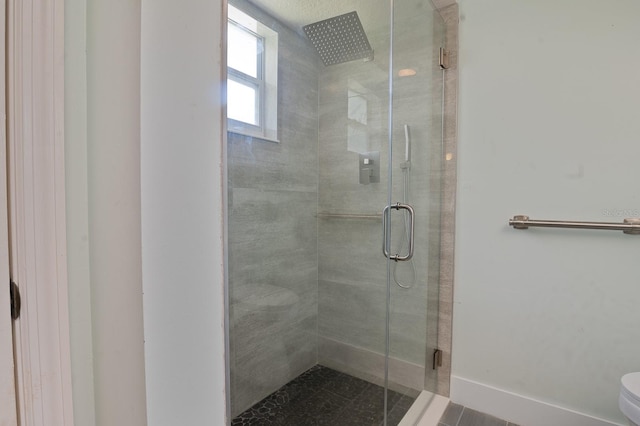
column 386, row 223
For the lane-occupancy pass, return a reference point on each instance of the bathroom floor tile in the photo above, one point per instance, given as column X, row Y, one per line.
column 452, row 415
column 471, row 417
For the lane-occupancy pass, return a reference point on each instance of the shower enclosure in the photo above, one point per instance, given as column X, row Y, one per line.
column 335, row 129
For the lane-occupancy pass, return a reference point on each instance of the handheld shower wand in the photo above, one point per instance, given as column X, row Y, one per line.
column 407, row 148
column 406, row 235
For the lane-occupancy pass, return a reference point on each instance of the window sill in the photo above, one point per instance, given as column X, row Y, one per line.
column 253, row 136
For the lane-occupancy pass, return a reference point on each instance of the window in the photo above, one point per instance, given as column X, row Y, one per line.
column 252, row 76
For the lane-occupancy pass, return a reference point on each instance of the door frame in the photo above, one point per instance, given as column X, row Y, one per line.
column 8, row 408
column 37, row 222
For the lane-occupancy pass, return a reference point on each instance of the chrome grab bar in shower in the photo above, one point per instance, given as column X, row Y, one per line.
column 628, row 226
column 385, row 224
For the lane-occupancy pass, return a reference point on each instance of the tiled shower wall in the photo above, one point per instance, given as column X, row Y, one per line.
column 450, row 15
column 273, row 269
column 303, row 288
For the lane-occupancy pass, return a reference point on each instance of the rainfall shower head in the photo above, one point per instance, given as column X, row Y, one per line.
column 339, row 39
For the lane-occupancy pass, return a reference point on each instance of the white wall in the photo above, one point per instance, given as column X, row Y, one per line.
column 549, row 127
column 182, row 212
column 78, row 265
column 102, row 154
column 113, row 140
column 182, row 177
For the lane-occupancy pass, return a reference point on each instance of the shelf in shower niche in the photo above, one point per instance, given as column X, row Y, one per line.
column 373, row 216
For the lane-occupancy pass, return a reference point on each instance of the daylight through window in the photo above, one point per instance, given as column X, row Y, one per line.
column 252, row 75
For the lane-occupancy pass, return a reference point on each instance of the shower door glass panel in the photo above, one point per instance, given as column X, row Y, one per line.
column 307, row 280
column 417, row 171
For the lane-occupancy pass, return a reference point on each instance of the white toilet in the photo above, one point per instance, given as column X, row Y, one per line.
column 629, row 400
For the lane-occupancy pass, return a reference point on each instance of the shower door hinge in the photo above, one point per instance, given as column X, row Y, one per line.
column 444, row 58
column 14, row 292
column 437, row 358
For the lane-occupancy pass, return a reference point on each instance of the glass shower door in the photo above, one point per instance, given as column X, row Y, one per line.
column 317, row 314
column 416, row 173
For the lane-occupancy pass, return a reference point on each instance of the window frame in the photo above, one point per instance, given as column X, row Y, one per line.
column 266, row 123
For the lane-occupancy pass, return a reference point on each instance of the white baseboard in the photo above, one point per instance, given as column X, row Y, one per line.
column 517, row 408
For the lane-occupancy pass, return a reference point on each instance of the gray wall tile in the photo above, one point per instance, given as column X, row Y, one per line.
column 450, row 15
column 273, row 267
column 294, row 276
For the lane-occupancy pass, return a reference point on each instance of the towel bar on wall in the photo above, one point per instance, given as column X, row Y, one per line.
column 628, row 226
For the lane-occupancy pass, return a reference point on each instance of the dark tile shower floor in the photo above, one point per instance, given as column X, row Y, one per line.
column 322, row 396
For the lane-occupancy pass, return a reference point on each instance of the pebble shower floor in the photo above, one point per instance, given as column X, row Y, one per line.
column 322, row 396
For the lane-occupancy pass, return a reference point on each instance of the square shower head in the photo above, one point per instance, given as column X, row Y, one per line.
column 339, row 39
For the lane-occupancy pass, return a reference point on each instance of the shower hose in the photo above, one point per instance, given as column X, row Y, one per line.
column 404, row 238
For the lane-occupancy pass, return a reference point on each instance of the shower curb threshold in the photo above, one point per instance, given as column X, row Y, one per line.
column 426, row 410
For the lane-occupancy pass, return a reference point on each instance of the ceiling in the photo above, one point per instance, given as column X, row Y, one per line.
column 297, row 13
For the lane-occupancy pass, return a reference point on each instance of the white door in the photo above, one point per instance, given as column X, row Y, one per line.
column 7, row 374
